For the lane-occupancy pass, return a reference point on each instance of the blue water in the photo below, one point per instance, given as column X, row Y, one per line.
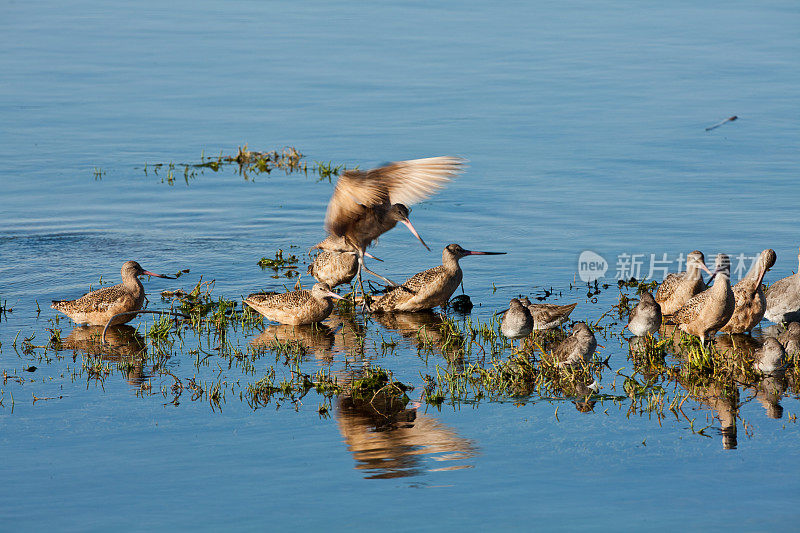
column 584, row 125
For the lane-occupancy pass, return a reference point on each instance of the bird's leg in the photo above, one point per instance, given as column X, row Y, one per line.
column 364, row 303
column 390, row 282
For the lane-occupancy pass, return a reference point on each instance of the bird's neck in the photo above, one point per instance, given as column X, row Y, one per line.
column 450, row 263
column 133, row 284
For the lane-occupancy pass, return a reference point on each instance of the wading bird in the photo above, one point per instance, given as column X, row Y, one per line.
column 577, row 348
column 646, row 316
column 783, row 298
column 98, row 307
column 750, row 300
column 367, row 204
column 517, row 322
column 429, row 288
column 705, row 313
column 678, row 288
column 296, row 307
column 547, row 316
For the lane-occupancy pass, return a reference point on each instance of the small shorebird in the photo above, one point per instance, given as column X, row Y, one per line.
column 517, row 322
column 771, row 357
column 96, row 308
column 783, row 298
column 705, row 313
column 750, row 300
column 547, row 316
column 790, row 338
column 335, row 268
column 429, row 288
column 578, row 347
column 296, row 307
column 646, row 316
column 367, row 204
column 678, row 288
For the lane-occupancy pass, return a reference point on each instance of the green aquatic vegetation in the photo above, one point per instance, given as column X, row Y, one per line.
column 280, row 265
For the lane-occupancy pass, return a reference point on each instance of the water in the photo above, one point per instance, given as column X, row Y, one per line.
column 584, row 127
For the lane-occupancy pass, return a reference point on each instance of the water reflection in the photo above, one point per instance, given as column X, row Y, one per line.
column 425, row 330
column 317, row 339
column 123, row 345
column 389, row 440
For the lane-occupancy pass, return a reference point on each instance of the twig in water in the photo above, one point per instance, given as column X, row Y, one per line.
column 718, row 124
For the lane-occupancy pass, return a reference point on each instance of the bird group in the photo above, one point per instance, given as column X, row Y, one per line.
column 702, row 310
column 367, row 204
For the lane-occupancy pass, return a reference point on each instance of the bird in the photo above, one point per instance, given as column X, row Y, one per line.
column 646, row 316
column 429, row 288
column 98, row 307
column 783, row 298
column 517, row 322
column 790, row 339
column 332, row 267
column 750, row 300
column 678, row 288
column 577, row 348
column 367, row 204
column 705, row 313
column 771, row 357
column 547, row 316
column 296, row 307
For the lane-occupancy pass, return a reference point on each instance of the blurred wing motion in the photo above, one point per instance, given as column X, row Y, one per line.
column 403, row 182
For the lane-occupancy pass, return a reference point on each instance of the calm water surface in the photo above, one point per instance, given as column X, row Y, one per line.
column 584, row 124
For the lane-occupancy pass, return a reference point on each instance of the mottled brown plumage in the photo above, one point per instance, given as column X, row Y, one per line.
column 361, row 208
column 296, row 307
column 334, row 268
column 705, row 313
column 750, row 300
column 367, row 204
column 790, row 339
column 645, row 318
column 678, row 288
column 98, row 307
column 577, row 348
column 429, row 288
column 547, row 316
column 517, row 322
column 783, row 299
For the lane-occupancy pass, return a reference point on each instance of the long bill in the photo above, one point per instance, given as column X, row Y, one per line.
column 334, row 295
column 414, row 232
column 148, row 273
column 471, row 252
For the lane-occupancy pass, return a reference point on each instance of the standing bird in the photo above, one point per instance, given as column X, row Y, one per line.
column 335, row 268
column 750, row 300
column 576, row 348
column 296, row 307
column 770, row 357
column 646, row 316
column 96, row 308
column 705, row 313
column 517, row 322
column 678, row 288
column 429, row 288
column 783, row 298
column 365, row 205
column 790, row 338
column 547, row 316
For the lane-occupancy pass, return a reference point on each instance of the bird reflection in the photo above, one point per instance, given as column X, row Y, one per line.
column 123, row 344
column 423, row 329
column 390, row 441
column 316, row 338
column 769, row 392
column 724, row 399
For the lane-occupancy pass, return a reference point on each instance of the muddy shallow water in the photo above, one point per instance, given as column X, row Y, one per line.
column 584, row 126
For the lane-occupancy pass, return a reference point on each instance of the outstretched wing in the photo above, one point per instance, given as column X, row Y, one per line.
column 403, row 182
